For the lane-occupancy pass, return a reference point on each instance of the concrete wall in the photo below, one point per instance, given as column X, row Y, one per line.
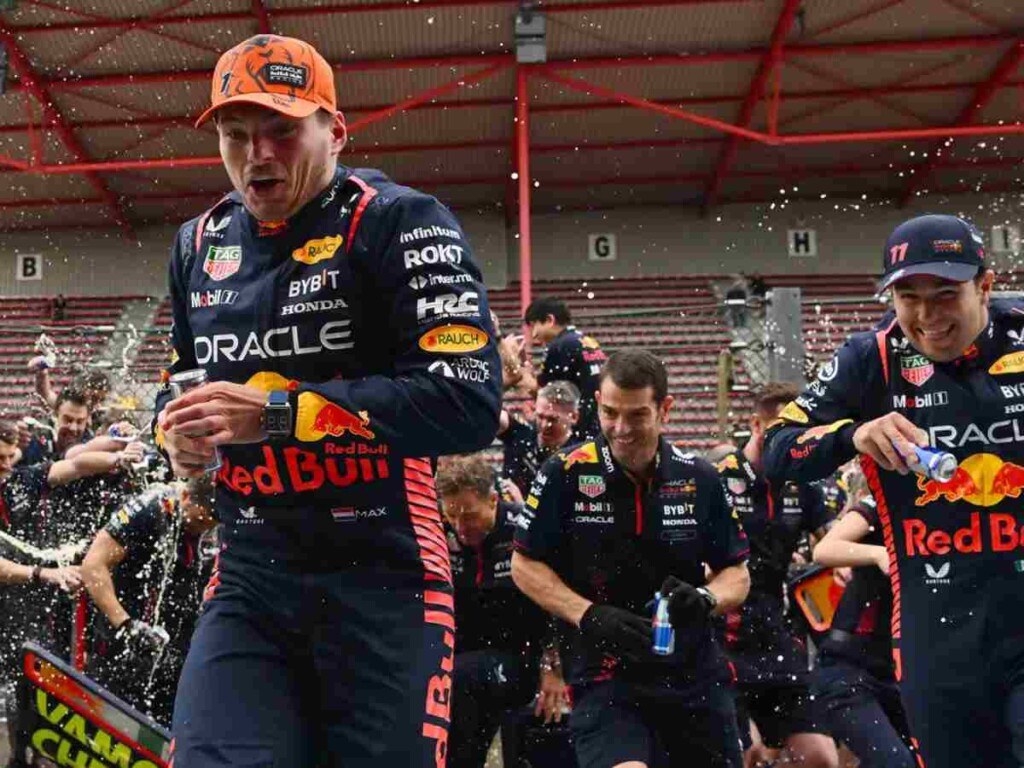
column 651, row 241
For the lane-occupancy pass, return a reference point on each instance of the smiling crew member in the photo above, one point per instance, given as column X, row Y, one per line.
column 947, row 370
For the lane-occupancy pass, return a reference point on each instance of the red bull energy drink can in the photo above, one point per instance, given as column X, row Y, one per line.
column 664, row 643
column 935, row 465
column 183, row 382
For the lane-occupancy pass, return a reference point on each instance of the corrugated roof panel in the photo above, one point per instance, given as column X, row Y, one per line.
column 413, row 32
column 442, row 126
column 569, row 166
column 386, row 87
column 662, row 81
column 137, row 143
column 178, row 99
column 32, row 186
column 482, row 165
column 57, row 216
column 620, row 124
column 914, row 19
column 675, row 29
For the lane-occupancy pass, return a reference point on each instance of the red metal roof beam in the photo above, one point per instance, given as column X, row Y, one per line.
column 1008, row 64
column 262, row 18
column 772, row 58
column 22, row 66
column 599, row 62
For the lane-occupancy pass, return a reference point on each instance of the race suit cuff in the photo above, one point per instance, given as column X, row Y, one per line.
column 845, row 438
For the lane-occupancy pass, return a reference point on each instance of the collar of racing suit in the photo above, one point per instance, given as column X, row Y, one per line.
column 318, row 202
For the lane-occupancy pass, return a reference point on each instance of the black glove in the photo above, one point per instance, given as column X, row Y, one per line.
column 134, row 637
column 686, row 606
column 616, row 631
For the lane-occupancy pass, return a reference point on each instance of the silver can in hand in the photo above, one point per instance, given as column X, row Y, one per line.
column 183, row 382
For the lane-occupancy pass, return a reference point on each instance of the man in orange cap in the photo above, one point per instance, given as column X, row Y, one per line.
column 345, row 332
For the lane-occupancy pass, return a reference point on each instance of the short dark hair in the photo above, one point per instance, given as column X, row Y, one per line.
column 636, row 369
column 471, row 472
column 8, row 433
column 775, row 394
column 539, row 310
column 71, row 395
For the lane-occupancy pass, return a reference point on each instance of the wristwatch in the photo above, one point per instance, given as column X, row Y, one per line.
column 709, row 597
column 277, row 415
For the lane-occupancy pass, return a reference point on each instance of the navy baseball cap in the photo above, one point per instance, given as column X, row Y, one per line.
column 944, row 246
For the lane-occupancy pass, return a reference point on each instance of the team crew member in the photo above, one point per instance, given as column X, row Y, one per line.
column 771, row 663
column 947, row 371
column 71, row 416
column 527, row 446
column 345, row 329
column 570, row 356
column 144, row 573
column 853, row 681
column 29, row 570
column 608, row 523
column 498, row 629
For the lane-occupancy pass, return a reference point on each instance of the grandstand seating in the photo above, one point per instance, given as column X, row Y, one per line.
column 83, row 332
column 675, row 316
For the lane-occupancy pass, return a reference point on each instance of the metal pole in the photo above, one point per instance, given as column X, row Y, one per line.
column 523, row 169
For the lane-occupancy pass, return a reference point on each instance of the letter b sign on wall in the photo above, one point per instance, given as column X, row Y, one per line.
column 30, row 266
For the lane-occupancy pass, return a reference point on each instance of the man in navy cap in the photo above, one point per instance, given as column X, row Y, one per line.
column 946, row 371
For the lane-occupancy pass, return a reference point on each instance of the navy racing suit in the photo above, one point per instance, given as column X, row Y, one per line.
column 955, row 548
column 769, row 658
column 614, row 541
column 571, row 356
column 367, row 307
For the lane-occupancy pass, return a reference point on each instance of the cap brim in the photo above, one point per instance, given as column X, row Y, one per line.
column 947, row 270
column 297, row 108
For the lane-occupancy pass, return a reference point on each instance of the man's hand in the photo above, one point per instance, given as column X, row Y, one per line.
column 888, row 439
column 616, row 631
column 551, row 698
column 510, row 349
column 686, row 606
column 67, row 579
column 133, row 453
column 511, row 491
column 841, row 576
column 219, row 413
column 134, row 636
column 38, row 364
column 882, row 560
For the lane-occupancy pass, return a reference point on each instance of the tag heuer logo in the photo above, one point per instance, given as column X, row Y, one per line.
column 222, row 262
column 591, row 485
column 916, row 369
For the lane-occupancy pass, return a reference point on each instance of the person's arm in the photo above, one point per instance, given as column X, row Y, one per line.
column 539, row 582
column 842, row 545
column 99, row 444
column 416, row 409
column 104, row 554
column 815, row 433
column 43, row 386
column 86, row 465
column 67, row 578
column 730, row 587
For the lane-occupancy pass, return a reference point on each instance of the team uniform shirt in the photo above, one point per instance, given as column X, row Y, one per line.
column 571, row 356
column 522, row 455
column 613, row 541
column 160, row 581
column 775, row 517
column 491, row 614
column 367, row 307
column 42, row 447
column 955, row 547
column 864, row 612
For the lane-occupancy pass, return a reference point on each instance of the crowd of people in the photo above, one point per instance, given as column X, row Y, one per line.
column 382, row 595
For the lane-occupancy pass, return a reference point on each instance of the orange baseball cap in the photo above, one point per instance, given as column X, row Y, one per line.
column 281, row 73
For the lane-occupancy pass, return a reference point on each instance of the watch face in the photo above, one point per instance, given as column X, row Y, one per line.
column 277, row 421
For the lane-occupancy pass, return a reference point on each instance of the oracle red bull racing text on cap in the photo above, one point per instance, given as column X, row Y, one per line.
column 944, row 246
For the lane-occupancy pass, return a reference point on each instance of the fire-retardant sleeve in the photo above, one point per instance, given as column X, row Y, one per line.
column 814, row 434
column 540, row 529
column 442, row 394
column 727, row 542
